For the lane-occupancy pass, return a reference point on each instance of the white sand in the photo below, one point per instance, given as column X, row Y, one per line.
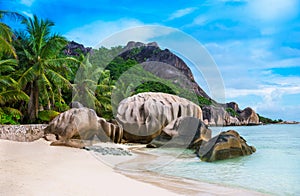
column 39, row 169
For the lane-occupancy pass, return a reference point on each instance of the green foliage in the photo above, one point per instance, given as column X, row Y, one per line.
column 202, row 101
column 34, row 70
column 43, row 67
column 102, row 57
column 136, row 51
column 232, row 112
column 9, row 116
column 47, row 115
column 61, row 107
column 118, row 66
column 153, row 86
column 266, row 120
column 92, row 88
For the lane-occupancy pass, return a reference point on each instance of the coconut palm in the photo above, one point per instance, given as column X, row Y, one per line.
column 10, row 92
column 6, row 33
column 43, row 77
column 93, row 87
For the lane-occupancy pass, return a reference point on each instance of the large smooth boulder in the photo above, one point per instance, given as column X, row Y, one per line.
column 226, row 145
column 82, row 123
column 184, row 132
column 143, row 116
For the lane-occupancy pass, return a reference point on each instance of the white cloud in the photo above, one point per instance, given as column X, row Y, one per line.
column 182, row 12
column 272, row 102
column 114, row 33
column 199, row 20
column 287, row 62
column 92, row 34
column 141, row 33
column 269, row 93
column 30, row 15
column 273, row 10
column 27, row 2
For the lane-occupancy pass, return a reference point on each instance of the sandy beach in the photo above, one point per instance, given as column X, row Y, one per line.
column 36, row 168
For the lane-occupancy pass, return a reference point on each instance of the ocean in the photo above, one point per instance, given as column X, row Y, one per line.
column 273, row 169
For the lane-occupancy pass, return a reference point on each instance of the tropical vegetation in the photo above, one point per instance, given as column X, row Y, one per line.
column 39, row 79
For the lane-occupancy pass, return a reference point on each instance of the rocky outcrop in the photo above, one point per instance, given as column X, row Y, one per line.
column 143, row 116
column 184, row 132
column 215, row 116
column 82, row 123
column 132, row 44
column 167, row 65
column 144, row 53
column 226, row 145
column 75, row 49
column 248, row 117
column 233, row 106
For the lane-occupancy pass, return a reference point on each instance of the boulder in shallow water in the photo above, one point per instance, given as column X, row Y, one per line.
column 226, row 145
column 184, row 132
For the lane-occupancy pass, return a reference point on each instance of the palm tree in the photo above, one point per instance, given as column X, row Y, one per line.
column 10, row 92
column 93, row 87
column 6, row 34
column 43, row 77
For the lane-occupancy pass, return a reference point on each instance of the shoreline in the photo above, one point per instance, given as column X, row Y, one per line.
column 181, row 185
column 36, row 168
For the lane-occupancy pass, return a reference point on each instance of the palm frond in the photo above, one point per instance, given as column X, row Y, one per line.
column 45, row 91
column 5, row 32
column 7, row 65
column 58, row 79
column 12, row 96
column 12, row 111
column 6, row 47
column 53, row 46
column 28, row 76
column 12, row 15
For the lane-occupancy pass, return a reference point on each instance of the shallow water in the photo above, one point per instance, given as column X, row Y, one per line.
column 273, row 169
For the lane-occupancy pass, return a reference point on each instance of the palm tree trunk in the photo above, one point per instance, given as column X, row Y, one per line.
column 33, row 105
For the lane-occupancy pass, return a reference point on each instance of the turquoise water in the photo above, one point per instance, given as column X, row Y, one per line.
column 273, row 169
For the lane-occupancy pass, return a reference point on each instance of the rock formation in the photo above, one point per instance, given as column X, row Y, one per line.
column 151, row 52
column 75, row 49
column 82, row 123
column 166, row 65
column 143, row 116
column 216, row 116
column 184, row 132
column 248, row 117
column 226, row 145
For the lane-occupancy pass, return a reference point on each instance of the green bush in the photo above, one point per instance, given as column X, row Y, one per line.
column 232, row 112
column 9, row 119
column 266, row 120
column 152, row 86
column 202, row 101
column 47, row 115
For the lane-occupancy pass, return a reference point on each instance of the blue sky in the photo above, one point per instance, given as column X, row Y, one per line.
column 255, row 43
